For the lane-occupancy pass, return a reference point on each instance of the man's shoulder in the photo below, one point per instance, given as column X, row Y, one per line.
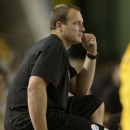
column 52, row 41
column 50, row 45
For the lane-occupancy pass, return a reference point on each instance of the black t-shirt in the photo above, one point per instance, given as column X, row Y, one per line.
column 47, row 59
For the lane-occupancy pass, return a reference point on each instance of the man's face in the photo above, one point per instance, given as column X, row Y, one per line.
column 73, row 29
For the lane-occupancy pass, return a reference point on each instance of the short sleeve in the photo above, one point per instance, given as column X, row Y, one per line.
column 72, row 71
column 50, row 63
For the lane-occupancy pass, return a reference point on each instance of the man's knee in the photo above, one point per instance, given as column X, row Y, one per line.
column 98, row 115
column 97, row 99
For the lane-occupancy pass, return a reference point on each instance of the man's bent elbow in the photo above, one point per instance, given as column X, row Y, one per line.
column 82, row 92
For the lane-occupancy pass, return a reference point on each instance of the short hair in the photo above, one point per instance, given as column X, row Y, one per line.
column 59, row 13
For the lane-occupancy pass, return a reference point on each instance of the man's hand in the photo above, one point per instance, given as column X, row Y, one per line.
column 89, row 43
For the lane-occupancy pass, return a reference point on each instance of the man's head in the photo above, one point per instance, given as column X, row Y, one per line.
column 59, row 13
column 67, row 22
column 114, row 122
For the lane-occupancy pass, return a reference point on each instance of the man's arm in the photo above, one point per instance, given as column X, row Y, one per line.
column 81, row 83
column 37, row 102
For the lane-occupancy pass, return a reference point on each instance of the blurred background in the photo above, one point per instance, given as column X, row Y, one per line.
column 25, row 22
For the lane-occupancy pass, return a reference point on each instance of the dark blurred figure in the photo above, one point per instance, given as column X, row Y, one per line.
column 2, row 97
column 2, row 81
column 2, row 87
column 110, row 94
column 102, row 78
column 114, row 122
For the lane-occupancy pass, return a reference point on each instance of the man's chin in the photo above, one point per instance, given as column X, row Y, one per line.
column 79, row 41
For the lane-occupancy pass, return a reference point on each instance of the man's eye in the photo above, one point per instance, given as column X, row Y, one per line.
column 76, row 23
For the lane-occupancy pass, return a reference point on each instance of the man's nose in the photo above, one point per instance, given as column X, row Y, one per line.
column 82, row 28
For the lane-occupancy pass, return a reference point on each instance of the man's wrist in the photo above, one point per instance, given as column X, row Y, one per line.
column 92, row 57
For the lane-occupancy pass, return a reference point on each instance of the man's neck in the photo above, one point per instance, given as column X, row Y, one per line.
column 59, row 34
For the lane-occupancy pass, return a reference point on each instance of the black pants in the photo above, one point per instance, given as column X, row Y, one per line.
column 77, row 116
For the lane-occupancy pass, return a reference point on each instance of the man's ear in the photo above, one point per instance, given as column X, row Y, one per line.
column 59, row 25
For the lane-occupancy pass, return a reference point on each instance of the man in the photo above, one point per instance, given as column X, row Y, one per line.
column 38, row 97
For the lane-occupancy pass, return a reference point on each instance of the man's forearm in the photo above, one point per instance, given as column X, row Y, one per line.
column 37, row 103
column 85, row 76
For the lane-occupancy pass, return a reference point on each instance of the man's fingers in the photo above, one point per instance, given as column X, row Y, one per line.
column 88, row 37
